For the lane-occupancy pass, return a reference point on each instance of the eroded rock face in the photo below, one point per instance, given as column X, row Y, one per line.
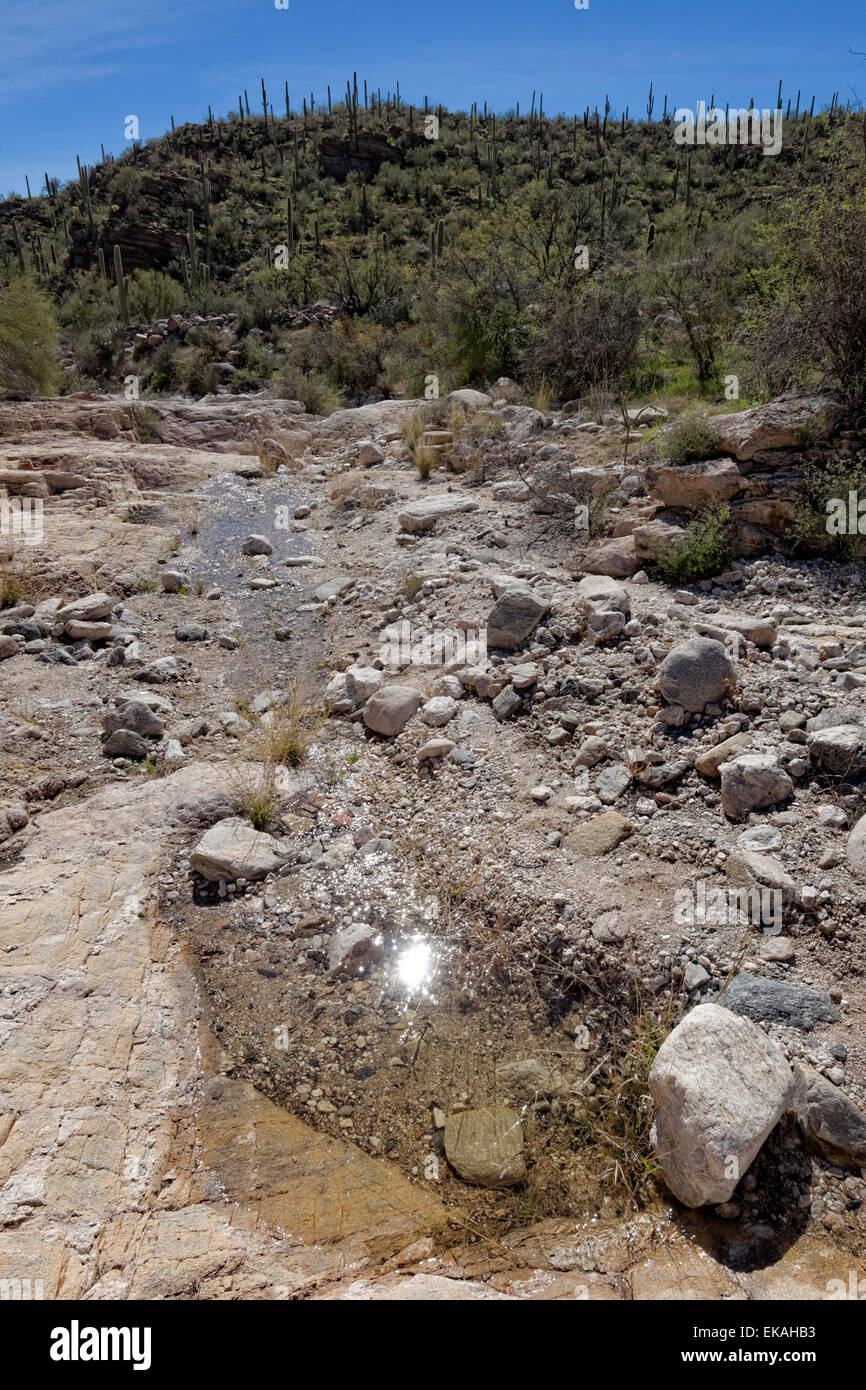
column 780, row 424
column 695, row 485
column 720, row 1086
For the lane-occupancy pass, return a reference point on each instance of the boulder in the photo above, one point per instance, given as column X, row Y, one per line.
column 616, row 557
column 125, row 743
column 782, row 424
column 696, row 673
column 839, row 750
column 233, row 849
column 257, row 545
column 720, row 1086
column 829, row 1118
column 514, row 615
column 390, row 709
column 765, row 1000
column 752, row 781
column 599, row 591
column 694, row 485
column 92, row 608
column 486, row 1147
column 656, row 538
column 419, row 517
column 369, row 453
column 134, row 715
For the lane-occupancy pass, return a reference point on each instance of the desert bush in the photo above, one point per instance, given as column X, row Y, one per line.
column 705, row 550
column 153, row 295
column 688, row 441
column 29, row 342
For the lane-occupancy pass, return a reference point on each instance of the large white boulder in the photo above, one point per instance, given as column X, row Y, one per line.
column 720, row 1085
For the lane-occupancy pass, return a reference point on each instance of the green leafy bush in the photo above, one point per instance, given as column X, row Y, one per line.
column 705, row 550
column 29, row 342
column 688, row 441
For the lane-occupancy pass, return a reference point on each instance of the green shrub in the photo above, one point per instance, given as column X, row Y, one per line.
column 823, row 485
column 705, row 550
column 153, row 295
column 29, row 340
column 689, row 441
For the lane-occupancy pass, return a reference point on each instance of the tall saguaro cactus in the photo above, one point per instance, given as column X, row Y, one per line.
column 122, row 302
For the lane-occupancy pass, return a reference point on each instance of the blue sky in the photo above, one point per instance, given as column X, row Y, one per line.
column 72, row 70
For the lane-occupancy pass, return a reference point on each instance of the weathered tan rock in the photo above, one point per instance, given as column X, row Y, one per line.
column 778, row 425
column 694, row 485
column 709, row 762
column 486, row 1146
column 599, row 835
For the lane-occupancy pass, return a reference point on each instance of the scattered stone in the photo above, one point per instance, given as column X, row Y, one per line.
column 233, row 849
column 829, row 1118
column 599, row 835
column 257, row 545
column 771, row 1001
column 354, row 949
column 514, row 615
column 752, row 781
column 486, row 1147
column 696, row 673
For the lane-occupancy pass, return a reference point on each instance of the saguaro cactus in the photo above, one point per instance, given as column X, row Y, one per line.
column 121, row 286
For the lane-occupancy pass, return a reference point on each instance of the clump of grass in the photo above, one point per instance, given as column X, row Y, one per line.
column 413, row 427
column 281, row 739
column 706, row 548
column 540, row 399
column 617, row 1120
column 425, row 460
column 13, row 586
column 689, row 441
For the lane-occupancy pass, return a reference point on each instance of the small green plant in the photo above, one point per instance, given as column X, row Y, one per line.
column 688, row 441
column 413, row 584
column 706, row 548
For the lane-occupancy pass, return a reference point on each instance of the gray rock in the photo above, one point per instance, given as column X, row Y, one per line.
column 390, row 709
column 134, row 715
column 612, row 782
column 439, row 711
column 696, row 673
column 8, row 647
column 419, row 517
column 174, row 580
column 124, row 743
column 235, row 849
column 856, row 849
column 164, row 668
column 91, row 608
column 506, row 703
column 752, row 781
column 353, row 949
column 257, row 545
column 719, row 1086
column 514, row 615
column 771, row 1001
column 486, row 1147
column 191, row 632
column 835, row 716
column 829, row 1118
column 840, row 749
